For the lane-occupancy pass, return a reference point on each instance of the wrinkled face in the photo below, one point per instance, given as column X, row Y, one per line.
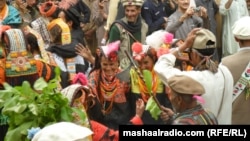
column 183, row 4
column 109, row 67
column 132, row 13
column 146, row 63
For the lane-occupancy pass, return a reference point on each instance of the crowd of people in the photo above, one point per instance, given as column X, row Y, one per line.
column 117, row 58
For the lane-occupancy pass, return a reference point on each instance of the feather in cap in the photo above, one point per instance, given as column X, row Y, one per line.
column 111, row 50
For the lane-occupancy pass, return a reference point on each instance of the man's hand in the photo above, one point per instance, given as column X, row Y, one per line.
column 166, row 114
column 189, row 40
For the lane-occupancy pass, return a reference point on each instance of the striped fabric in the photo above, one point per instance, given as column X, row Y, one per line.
column 40, row 26
column 196, row 116
column 16, row 40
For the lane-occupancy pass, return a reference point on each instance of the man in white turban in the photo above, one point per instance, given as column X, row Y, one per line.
column 239, row 66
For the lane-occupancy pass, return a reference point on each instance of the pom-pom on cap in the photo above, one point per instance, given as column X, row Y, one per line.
column 139, row 50
column 168, row 38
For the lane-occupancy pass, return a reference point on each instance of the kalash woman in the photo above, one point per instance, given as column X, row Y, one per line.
column 113, row 104
column 146, row 57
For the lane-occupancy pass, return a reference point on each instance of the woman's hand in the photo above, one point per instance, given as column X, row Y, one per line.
column 85, row 53
column 140, row 107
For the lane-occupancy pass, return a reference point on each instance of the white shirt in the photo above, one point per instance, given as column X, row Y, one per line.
column 218, row 86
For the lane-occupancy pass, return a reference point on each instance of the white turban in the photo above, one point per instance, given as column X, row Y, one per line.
column 241, row 28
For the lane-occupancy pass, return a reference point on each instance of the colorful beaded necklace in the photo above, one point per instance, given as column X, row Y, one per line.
column 109, row 87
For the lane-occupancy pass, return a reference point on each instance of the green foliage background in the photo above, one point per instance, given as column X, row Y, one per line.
column 39, row 106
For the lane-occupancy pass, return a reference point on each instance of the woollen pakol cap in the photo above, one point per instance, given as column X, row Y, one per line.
column 185, row 85
column 204, row 42
column 241, row 28
column 132, row 2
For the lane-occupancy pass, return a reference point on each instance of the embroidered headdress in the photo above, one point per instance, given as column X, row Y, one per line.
column 65, row 35
column 40, row 43
column 41, row 27
column 111, row 50
column 19, row 62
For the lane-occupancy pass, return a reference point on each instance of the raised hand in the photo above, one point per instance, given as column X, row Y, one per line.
column 84, row 52
column 140, row 107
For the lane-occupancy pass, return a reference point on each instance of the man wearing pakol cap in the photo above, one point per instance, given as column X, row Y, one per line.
column 217, row 80
column 239, row 66
column 128, row 30
column 184, row 94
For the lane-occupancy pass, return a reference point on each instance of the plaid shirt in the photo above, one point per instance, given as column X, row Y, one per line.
column 196, row 116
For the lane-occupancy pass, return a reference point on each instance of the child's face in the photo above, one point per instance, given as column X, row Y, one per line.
column 146, row 63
